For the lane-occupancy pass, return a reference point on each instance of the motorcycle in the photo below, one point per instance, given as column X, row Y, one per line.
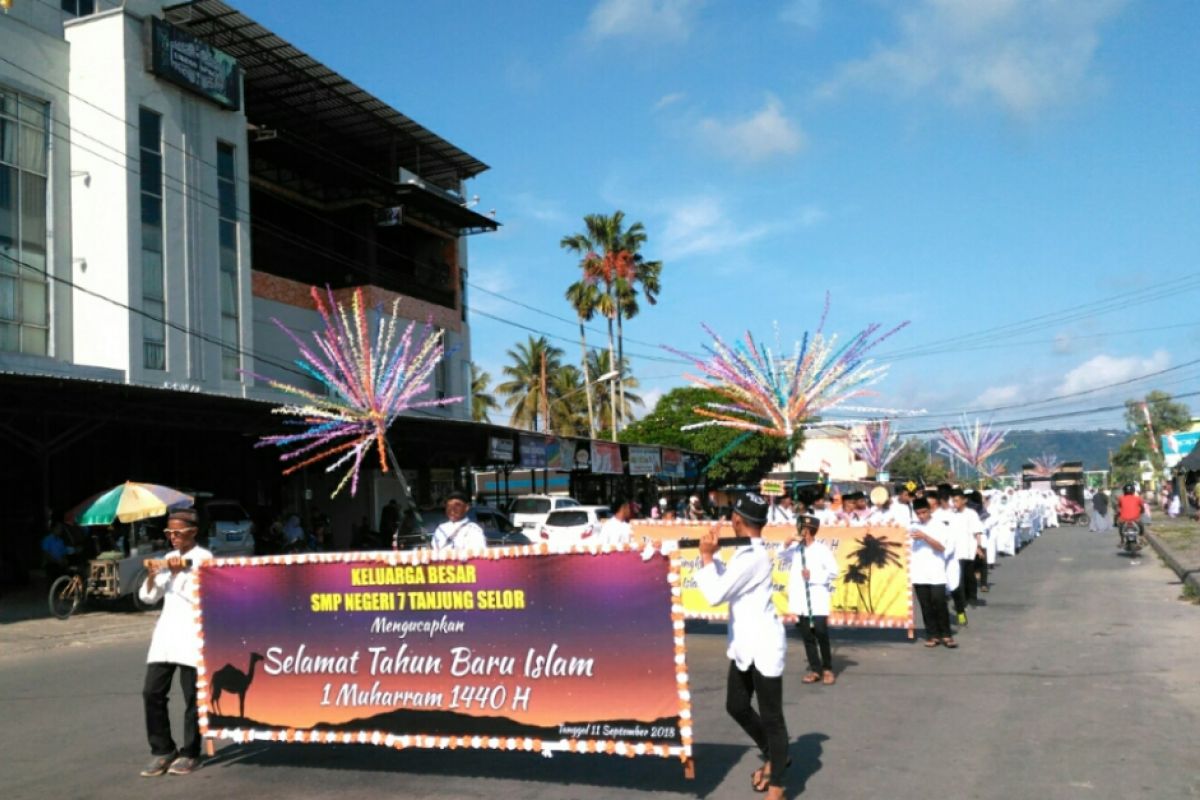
column 1129, row 537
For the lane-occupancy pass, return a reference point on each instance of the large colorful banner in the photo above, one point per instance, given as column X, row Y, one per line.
column 872, row 589
column 518, row 650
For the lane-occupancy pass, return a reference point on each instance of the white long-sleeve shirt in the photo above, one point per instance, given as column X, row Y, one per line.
column 615, row 532
column 461, row 535
column 176, row 638
column 928, row 565
column 756, row 636
column 822, row 572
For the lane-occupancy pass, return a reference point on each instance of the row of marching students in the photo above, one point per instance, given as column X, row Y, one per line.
column 948, row 538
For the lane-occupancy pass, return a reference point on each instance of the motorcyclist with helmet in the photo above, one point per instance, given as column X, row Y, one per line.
column 1130, row 508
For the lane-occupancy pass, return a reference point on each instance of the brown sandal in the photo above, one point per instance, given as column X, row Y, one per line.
column 932, row 642
column 828, row 678
column 811, row 677
column 949, row 642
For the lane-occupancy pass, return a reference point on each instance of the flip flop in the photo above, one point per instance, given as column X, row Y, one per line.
column 932, row 642
column 950, row 643
column 811, row 677
column 760, row 779
column 829, row 679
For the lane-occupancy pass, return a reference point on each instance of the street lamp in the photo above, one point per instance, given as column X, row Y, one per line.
column 605, row 378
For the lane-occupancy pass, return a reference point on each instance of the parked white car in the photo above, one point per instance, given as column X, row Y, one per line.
column 573, row 526
column 230, row 530
column 529, row 511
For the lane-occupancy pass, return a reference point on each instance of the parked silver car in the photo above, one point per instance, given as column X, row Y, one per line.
column 229, row 528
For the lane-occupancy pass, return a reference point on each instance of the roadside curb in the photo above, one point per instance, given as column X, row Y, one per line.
column 1190, row 577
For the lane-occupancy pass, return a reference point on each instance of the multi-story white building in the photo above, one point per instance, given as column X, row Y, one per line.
column 174, row 178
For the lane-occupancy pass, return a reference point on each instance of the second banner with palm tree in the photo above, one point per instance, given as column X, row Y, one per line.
column 871, row 590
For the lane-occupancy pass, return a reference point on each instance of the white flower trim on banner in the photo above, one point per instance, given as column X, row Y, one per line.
column 683, row 751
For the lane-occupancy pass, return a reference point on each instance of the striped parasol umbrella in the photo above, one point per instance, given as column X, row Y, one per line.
column 130, row 502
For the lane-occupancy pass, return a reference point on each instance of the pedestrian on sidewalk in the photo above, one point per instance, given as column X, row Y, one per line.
column 175, row 646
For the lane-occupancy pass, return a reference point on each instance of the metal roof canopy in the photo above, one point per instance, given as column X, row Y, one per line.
column 285, row 88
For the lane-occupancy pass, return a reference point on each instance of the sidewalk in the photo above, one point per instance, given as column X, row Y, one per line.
column 27, row 627
column 1177, row 542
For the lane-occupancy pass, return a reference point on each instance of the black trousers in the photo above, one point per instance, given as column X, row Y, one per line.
column 981, row 566
column 155, row 693
column 816, row 642
column 766, row 726
column 934, row 611
column 966, row 591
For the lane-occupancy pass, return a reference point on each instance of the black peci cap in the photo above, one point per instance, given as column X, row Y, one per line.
column 808, row 521
column 752, row 508
column 920, row 503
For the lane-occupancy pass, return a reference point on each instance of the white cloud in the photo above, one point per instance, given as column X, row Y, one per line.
column 1063, row 343
column 1103, row 370
column 1023, row 55
column 997, row 396
column 491, row 277
column 763, row 135
column 669, row 100
column 526, row 204
column 802, row 13
column 812, row 215
column 649, row 401
column 643, row 19
column 702, row 226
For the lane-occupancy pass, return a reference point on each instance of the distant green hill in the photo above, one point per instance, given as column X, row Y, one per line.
column 1090, row 447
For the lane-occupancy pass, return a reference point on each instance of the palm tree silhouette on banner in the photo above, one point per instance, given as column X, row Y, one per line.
column 853, row 576
column 874, row 552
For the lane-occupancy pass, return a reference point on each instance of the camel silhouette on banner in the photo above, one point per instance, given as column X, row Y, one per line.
column 232, row 680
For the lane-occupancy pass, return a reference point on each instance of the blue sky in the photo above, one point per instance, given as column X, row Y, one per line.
column 961, row 164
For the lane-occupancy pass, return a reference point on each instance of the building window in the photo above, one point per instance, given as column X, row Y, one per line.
column 79, row 8
column 24, row 157
column 154, row 304
column 228, row 272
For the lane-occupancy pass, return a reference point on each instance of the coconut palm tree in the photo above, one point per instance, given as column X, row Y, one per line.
column 609, row 255
column 598, row 364
column 874, row 552
column 482, row 401
column 523, row 389
column 647, row 275
column 568, row 401
column 584, row 297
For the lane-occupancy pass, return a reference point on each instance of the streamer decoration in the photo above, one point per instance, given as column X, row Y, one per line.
column 372, row 370
column 878, row 445
column 973, row 444
column 766, row 393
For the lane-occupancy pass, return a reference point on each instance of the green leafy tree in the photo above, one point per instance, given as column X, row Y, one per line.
column 568, row 400
column 483, row 402
column 914, row 463
column 748, row 462
column 523, row 389
column 1165, row 416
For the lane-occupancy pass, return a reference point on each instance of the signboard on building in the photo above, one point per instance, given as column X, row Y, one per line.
column 175, row 55
column 500, row 449
column 644, row 460
column 532, row 451
column 672, row 464
column 560, row 454
column 606, row 458
column 1177, row 445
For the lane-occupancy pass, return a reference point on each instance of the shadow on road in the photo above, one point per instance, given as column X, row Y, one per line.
column 713, row 764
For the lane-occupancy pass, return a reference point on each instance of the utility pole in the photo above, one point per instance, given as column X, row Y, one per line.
column 545, row 397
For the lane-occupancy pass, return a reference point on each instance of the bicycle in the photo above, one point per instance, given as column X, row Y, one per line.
column 67, row 594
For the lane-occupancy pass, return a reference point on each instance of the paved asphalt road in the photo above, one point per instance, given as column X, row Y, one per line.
column 1080, row 679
